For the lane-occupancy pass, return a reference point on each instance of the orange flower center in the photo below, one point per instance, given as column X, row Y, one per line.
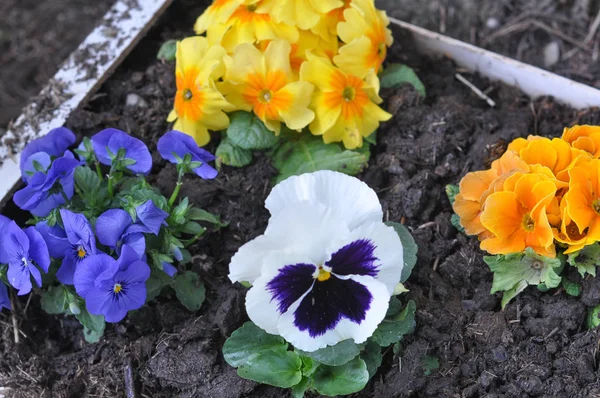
column 246, row 14
column 348, row 94
column 573, row 232
column 596, row 206
column 528, row 224
column 323, row 275
column 189, row 97
column 266, row 94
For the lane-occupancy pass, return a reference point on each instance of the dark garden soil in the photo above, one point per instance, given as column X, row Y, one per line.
column 35, row 37
column 538, row 347
column 558, row 35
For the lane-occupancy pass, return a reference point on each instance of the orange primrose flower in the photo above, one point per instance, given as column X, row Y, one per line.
column 199, row 105
column 516, row 216
column 585, row 138
column 569, row 233
column 264, row 83
column 344, row 104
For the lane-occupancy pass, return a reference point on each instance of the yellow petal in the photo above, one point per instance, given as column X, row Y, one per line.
column 320, row 72
column 298, row 116
column 352, row 57
column 172, row 116
column 190, row 52
column 325, row 117
column 245, row 60
column 353, row 27
column 277, row 57
column 197, row 130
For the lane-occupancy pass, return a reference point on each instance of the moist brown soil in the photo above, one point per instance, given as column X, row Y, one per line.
column 525, row 30
column 537, row 347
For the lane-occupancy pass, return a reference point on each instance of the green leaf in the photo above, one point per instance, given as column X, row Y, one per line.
column 299, row 389
column 54, row 300
column 154, row 285
column 276, row 367
column 396, row 75
column 87, row 180
column 371, row 139
column 430, row 364
column 308, row 365
column 92, row 336
column 372, row 357
column 248, row 341
column 451, row 191
column 197, row 214
column 193, row 228
column 392, row 329
column 586, row 260
column 514, row 272
column 189, row 290
column 409, row 249
column 592, row 319
column 335, row 355
column 247, row 131
column 93, row 325
column 231, row 155
column 306, row 153
column 455, row 221
column 572, row 288
column 167, row 51
column 341, row 380
column 394, row 307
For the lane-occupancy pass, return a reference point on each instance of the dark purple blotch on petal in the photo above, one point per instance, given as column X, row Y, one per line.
column 356, row 258
column 331, row 301
column 290, row 284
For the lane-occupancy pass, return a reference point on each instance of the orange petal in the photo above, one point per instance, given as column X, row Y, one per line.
column 473, row 184
column 502, row 214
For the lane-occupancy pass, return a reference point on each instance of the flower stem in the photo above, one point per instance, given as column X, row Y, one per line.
column 98, row 171
column 110, row 185
column 63, row 194
column 177, row 188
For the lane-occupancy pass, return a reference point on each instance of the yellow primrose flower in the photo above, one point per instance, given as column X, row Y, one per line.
column 366, row 36
column 327, row 25
column 343, row 104
column 264, row 83
column 199, row 105
column 247, row 24
column 309, row 41
column 304, row 14
column 217, row 13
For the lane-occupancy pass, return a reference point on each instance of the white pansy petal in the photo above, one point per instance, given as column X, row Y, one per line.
column 387, row 249
column 351, row 198
column 246, row 264
column 303, row 324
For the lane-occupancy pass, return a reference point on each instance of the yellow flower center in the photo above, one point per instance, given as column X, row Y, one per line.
column 265, row 96
column 81, row 253
column 117, row 288
column 187, row 94
column 528, row 224
column 348, row 94
column 596, row 206
column 323, row 275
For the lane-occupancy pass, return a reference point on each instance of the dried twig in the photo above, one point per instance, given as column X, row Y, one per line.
column 477, row 91
column 15, row 324
column 129, row 384
column 593, row 29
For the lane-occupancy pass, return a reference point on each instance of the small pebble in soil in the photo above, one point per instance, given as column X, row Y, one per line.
column 135, row 100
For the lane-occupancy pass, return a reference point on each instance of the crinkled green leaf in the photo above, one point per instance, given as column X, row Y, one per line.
column 167, row 51
column 455, row 221
column 299, row 389
column 157, row 281
column 93, row 325
column 231, row 155
column 309, row 365
column 276, row 367
column 511, row 271
column 372, row 357
column 430, row 364
column 341, row 380
column 586, row 260
column 306, row 153
column 451, row 191
column 248, row 341
column 247, row 131
column 409, row 249
column 397, row 74
column 189, row 290
column 54, row 300
column 335, row 355
column 392, row 329
column 592, row 319
column 571, row 288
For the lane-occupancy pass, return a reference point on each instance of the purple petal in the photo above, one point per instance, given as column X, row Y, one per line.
column 55, row 238
column 330, row 301
column 90, row 269
column 4, row 298
column 206, row 171
column 176, row 253
column 169, row 269
column 29, row 169
column 173, row 143
column 55, row 143
column 15, row 243
column 66, row 272
column 151, row 216
column 43, row 208
column 4, row 221
column 110, row 226
column 30, row 196
column 136, row 272
column 137, row 242
column 127, row 258
column 100, row 144
column 130, row 298
column 38, row 250
column 134, row 150
column 78, row 230
column 19, row 277
column 37, row 276
column 290, row 284
column 356, row 258
column 98, row 302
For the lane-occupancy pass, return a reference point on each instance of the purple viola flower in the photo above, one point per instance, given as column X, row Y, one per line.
column 53, row 144
column 38, row 162
column 169, row 269
column 135, row 155
column 73, row 244
column 39, row 196
column 4, row 299
column 174, row 145
column 112, row 287
column 151, row 217
column 25, row 251
column 115, row 228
